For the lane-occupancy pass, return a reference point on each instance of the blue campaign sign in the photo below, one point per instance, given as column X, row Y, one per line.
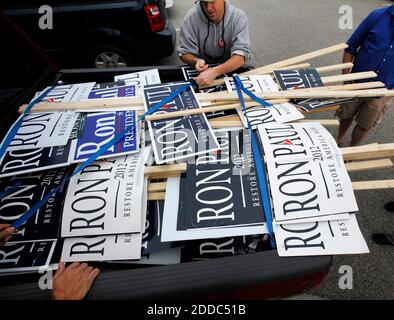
column 102, row 127
column 114, row 92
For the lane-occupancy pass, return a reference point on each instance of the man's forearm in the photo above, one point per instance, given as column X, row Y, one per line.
column 347, row 57
column 236, row 61
column 189, row 59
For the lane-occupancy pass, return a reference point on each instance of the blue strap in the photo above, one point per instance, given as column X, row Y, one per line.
column 11, row 135
column 259, row 165
column 9, row 190
column 252, row 95
column 94, row 157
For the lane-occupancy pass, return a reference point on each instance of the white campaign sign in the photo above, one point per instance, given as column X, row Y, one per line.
column 257, row 83
column 102, row 248
column 40, row 130
column 140, row 79
column 105, row 198
column 306, row 172
column 258, row 114
column 278, row 113
column 320, row 238
column 68, row 92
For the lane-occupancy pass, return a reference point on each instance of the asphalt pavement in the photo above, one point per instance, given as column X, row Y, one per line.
column 280, row 29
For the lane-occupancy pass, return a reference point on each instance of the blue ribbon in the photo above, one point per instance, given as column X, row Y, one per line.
column 94, row 157
column 11, row 135
column 9, row 190
column 251, row 94
column 257, row 158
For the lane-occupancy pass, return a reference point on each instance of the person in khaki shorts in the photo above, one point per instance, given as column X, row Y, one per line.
column 371, row 48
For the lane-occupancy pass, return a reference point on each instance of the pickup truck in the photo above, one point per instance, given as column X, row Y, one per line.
column 258, row 275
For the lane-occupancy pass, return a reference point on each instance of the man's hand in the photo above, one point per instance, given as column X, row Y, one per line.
column 6, row 232
column 206, row 78
column 73, row 282
column 200, row 65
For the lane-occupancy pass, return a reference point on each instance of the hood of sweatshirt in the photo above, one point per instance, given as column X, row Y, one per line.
column 228, row 11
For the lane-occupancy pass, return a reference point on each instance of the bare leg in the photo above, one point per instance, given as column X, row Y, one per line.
column 358, row 135
column 344, row 126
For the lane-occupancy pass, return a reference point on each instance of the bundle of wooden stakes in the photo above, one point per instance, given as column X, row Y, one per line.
column 220, row 101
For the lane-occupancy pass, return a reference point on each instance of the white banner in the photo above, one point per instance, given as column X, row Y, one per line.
column 68, row 92
column 277, row 113
column 140, row 79
column 102, row 248
column 40, row 130
column 105, row 198
column 320, row 238
column 258, row 114
column 254, row 83
column 306, row 172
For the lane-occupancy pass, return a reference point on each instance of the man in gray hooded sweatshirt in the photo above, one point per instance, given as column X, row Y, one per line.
column 214, row 31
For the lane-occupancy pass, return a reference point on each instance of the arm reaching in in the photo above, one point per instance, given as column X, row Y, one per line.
column 6, row 232
column 73, row 282
column 207, row 77
column 190, row 59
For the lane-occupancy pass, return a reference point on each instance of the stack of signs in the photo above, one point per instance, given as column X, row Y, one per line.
column 140, row 79
column 102, row 213
column 47, row 140
column 258, row 114
column 301, row 79
column 219, row 195
column 181, row 137
column 312, row 195
column 32, row 247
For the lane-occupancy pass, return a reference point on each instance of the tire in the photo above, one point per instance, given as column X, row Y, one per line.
column 109, row 56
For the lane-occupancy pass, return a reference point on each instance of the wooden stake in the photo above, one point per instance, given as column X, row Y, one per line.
column 296, row 66
column 218, row 124
column 189, row 112
column 213, row 108
column 323, row 122
column 298, row 94
column 156, row 190
column 349, row 77
column 93, row 104
column 164, row 176
column 156, row 196
column 368, row 165
column 157, row 187
column 352, row 86
column 368, row 152
column 373, row 185
column 295, row 60
column 298, row 59
column 335, row 67
column 229, row 122
column 158, row 172
column 237, row 104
